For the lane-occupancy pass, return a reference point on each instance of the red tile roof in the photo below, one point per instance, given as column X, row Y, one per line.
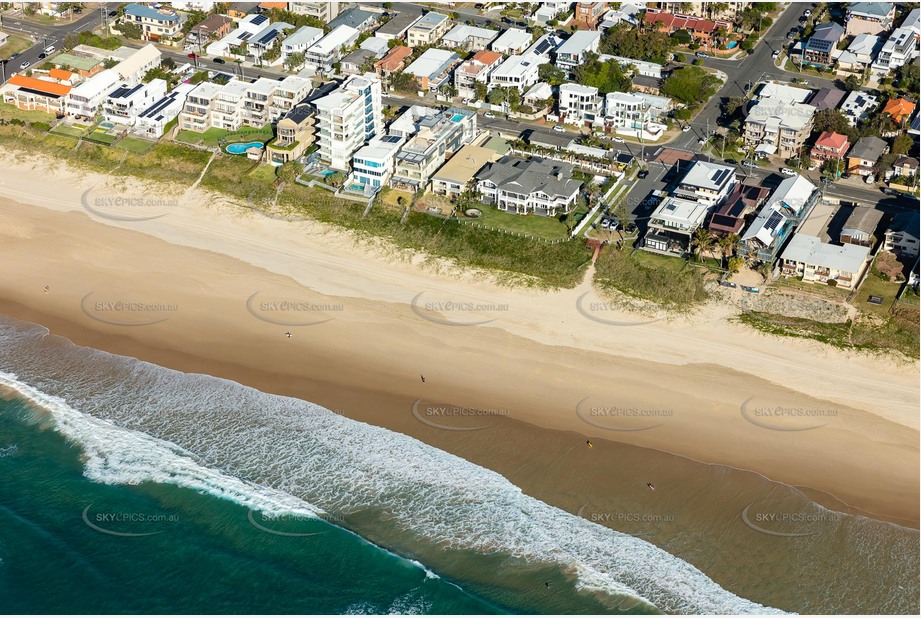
column 899, row 109
column 834, row 141
column 685, row 22
column 394, row 58
column 487, row 57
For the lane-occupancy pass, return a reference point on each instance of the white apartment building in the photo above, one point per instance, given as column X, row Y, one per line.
column 124, row 104
column 246, row 30
column 778, row 126
column 512, row 41
column 155, row 24
column 300, row 41
column 347, row 118
column 468, row 38
column 132, row 69
column 475, row 71
column 287, row 94
column 519, row 72
column 633, row 110
column 707, row 183
column 373, row 163
column 575, row 49
column 86, row 100
column 322, row 55
column 428, row 30
column 151, row 123
column 196, row 114
column 430, row 139
column 899, row 49
column 227, row 108
column 324, row 11
column 578, row 104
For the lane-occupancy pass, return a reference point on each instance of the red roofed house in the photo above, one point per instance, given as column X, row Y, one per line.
column 393, row 61
column 701, row 29
column 829, row 146
column 899, row 109
column 476, row 70
column 33, row 94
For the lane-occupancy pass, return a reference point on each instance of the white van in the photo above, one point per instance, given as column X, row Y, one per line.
column 50, row 49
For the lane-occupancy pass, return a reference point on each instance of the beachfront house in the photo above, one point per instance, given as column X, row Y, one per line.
column 790, row 204
column 543, row 187
column 347, row 118
column 815, row 261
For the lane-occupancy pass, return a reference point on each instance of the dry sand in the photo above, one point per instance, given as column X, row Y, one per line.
column 702, row 387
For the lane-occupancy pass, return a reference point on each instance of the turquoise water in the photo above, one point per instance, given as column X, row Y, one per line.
column 731, row 45
column 242, row 148
column 457, row 118
column 201, row 554
column 129, row 488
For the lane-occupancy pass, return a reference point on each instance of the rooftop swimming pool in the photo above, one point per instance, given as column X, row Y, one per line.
column 457, row 117
column 241, row 148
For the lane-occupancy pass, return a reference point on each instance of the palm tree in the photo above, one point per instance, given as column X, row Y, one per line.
column 727, row 243
column 701, row 242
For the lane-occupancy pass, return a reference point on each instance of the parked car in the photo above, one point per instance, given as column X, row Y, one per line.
column 807, row 13
column 702, row 54
column 605, row 223
column 559, row 129
column 42, row 56
column 686, row 128
column 642, row 174
column 192, row 56
column 466, row 101
column 776, row 54
column 617, row 140
column 220, row 61
column 748, row 164
column 489, row 115
column 731, row 161
column 813, row 167
column 786, row 171
column 25, row 65
column 702, row 141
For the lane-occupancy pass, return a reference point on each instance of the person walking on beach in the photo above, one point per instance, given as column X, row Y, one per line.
column 423, row 378
column 287, row 334
column 589, row 443
column 651, row 486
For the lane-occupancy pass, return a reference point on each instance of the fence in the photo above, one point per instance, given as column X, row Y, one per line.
column 547, row 241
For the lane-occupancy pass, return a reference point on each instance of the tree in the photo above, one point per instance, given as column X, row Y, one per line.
column 901, row 144
column 498, row 95
column 131, row 30
column 335, row 180
column 194, row 18
column 735, row 264
column 909, row 79
column 605, row 76
column 551, row 74
column 514, row 99
column 852, row 82
column 71, row 40
column 404, row 82
column 701, row 242
column 288, row 172
column 727, row 244
column 168, row 63
column 625, row 40
column 682, row 37
column 833, row 121
column 480, row 90
column 294, row 61
column 690, row 85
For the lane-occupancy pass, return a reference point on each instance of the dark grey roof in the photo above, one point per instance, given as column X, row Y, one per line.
column 869, row 148
column 646, row 81
column 398, row 24
column 863, row 219
column 906, row 222
column 528, row 176
column 359, row 57
column 353, row 18
column 826, row 98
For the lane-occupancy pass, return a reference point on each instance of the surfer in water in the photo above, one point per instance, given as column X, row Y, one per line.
column 589, row 443
column 651, row 486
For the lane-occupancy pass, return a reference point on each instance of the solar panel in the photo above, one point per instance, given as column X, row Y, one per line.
column 245, row 36
column 773, row 221
column 390, row 139
column 258, row 20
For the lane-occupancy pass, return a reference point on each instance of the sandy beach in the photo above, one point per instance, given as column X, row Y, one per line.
column 213, row 288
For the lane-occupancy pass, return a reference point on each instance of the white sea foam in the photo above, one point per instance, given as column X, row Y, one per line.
column 139, row 422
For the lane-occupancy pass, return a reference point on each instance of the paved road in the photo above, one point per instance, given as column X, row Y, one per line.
column 43, row 35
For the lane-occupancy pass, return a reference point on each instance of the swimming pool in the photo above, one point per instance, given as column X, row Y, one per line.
column 242, row 148
column 457, row 118
column 106, row 125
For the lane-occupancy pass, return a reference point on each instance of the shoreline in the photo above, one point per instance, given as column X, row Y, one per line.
column 522, row 362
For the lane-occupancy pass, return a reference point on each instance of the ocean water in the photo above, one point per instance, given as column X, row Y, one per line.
column 130, row 488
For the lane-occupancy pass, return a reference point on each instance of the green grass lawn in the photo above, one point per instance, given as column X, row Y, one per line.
column 11, row 112
column 210, row 138
column 135, row 145
column 264, row 172
column 100, row 138
column 547, row 228
column 873, row 285
column 832, row 293
column 658, row 278
column 75, row 131
column 14, row 45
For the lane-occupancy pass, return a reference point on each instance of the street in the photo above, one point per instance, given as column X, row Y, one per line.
column 43, row 36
